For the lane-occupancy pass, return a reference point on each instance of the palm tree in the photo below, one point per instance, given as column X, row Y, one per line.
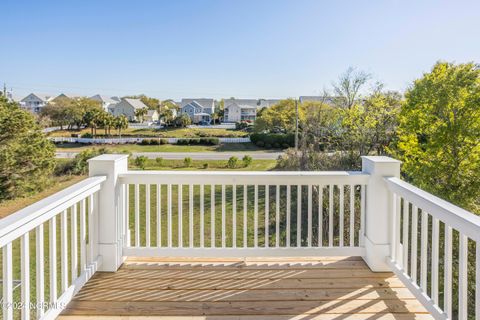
column 140, row 113
column 120, row 123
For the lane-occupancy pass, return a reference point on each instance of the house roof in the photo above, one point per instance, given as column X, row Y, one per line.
column 242, row 103
column 203, row 102
column 151, row 112
column 104, row 99
column 135, row 103
column 41, row 96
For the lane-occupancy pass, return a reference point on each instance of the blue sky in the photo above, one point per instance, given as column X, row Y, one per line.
column 224, row 48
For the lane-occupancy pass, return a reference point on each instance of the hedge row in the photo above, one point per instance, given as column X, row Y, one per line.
column 273, row 140
column 201, row 141
column 153, row 142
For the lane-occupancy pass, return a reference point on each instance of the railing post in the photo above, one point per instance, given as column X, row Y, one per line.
column 378, row 213
column 109, row 208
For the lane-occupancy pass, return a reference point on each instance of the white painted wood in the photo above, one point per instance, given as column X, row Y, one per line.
column 73, row 242
column 394, row 227
column 309, row 216
column 463, row 277
column 255, row 217
column 52, row 253
column 289, row 218
column 137, row 214
column 224, row 235
column 451, row 215
column 243, row 252
column 398, row 219
column 413, row 257
column 64, row 248
column 362, row 215
column 245, row 209
column 277, row 216
column 147, row 215
column 245, row 177
column 419, row 294
column 202, row 215
column 406, row 225
column 25, row 275
column 477, row 279
column 234, row 216
column 299, row 215
column 39, row 274
column 352, row 217
column 447, row 302
column 434, row 279
column 15, row 225
column 212, row 216
column 180, row 215
column 127, row 216
column 7, row 282
column 342, row 205
column 320, row 216
column 91, row 230
column 267, row 214
column 190, row 215
column 330, row 215
column 169, row 215
column 423, row 251
column 159, row 214
column 83, row 236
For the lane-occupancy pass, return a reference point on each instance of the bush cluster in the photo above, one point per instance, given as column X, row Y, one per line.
column 87, row 135
column 273, row 140
column 153, row 142
column 232, row 162
column 201, row 141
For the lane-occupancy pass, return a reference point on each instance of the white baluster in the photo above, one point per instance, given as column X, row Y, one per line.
column 25, row 276
column 147, row 215
column 7, row 283
column 52, row 242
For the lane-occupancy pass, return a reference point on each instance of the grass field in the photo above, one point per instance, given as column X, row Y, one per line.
column 199, row 165
column 126, row 148
column 162, row 133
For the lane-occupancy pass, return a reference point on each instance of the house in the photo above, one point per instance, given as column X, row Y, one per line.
column 240, row 110
column 199, row 110
column 151, row 116
column 128, row 107
column 107, row 102
column 34, row 102
column 267, row 103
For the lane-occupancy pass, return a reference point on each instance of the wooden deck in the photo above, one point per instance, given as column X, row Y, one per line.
column 267, row 288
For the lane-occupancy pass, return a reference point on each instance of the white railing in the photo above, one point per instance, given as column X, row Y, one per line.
column 136, row 140
column 244, row 214
column 68, row 218
column 436, row 251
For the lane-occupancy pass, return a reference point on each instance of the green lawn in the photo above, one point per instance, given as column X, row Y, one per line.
column 159, row 133
column 211, row 165
column 126, row 148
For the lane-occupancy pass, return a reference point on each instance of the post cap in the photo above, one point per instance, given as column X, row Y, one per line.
column 109, row 157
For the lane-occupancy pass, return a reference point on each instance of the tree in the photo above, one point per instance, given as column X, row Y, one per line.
column 183, row 120
column 93, row 119
column 439, row 133
column 57, row 111
column 280, row 117
column 140, row 113
column 27, row 157
column 168, row 116
column 347, row 89
column 120, row 123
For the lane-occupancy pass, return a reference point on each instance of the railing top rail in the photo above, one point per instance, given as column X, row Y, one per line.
column 54, row 202
column 456, row 217
column 245, row 177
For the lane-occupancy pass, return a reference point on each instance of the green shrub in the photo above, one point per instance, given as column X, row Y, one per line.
column 260, row 144
column 268, row 146
column 276, row 140
column 187, row 162
column 79, row 164
column 205, row 165
column 247, row 160
column 163, row 141
column 87, row 135
column 159, row 161
column 232, row 162
column 141, row 162
column 144, row 142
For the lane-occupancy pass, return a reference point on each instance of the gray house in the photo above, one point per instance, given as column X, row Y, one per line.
column 199, row 110
column 127, row 107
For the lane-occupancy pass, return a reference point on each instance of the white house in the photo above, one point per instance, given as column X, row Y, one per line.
column 128, row 107
column 151, row 116
column 34, row 102
column 107, row 102
column 267, row 103
column 199, row 110
column 240, row 110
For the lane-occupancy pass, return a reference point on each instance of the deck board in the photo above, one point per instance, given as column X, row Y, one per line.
column 273, row 288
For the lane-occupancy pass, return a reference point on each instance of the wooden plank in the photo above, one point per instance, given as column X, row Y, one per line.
column 250, row 284
column 191, row 273
column 243, row 308
column 330, row 316
column 243, row 295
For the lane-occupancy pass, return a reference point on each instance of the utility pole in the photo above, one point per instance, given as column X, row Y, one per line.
column 296, row 125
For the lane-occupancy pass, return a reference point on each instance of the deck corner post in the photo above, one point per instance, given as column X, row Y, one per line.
column 109, row 209
column 378, row 213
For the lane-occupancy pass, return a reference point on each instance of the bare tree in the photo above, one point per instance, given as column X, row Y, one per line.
column 347, row 89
